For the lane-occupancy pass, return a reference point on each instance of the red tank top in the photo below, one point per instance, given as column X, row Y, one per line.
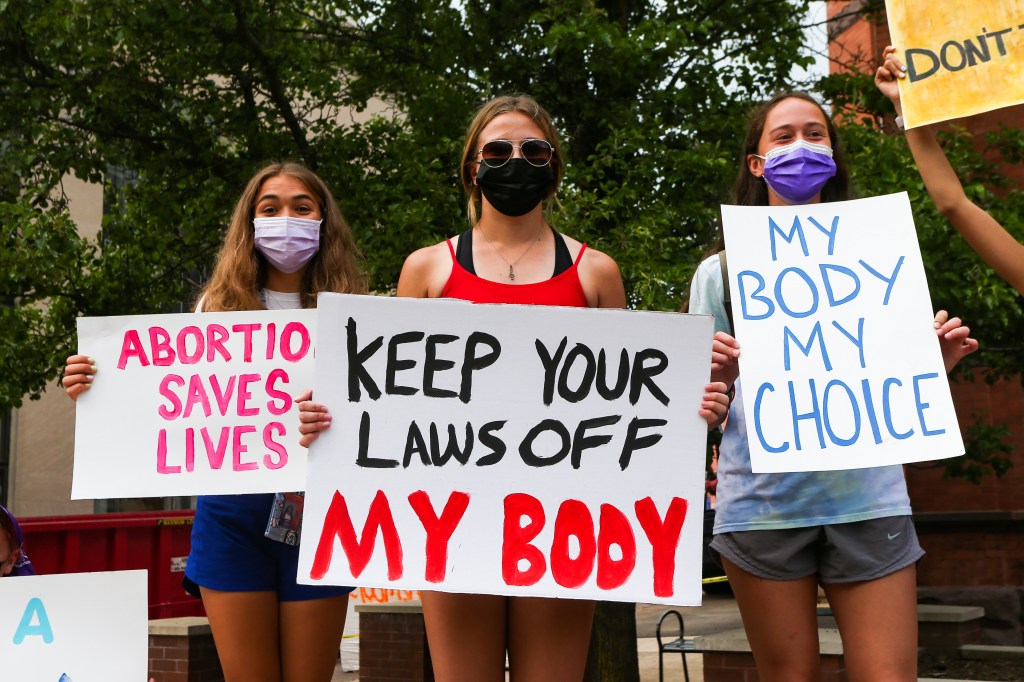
column 562, row 289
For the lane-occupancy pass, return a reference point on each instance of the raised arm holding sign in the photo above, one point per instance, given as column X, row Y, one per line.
column 780, row 535
column 987, row 237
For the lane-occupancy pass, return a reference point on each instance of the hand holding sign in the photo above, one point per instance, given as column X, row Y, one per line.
column 715, row 405
column 78, row 375
column 954, row 339
column 987, row 237
column 725, row 356
column 313, row 418
column 887, row 76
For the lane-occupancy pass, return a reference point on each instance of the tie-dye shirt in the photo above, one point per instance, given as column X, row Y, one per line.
column 749, row 501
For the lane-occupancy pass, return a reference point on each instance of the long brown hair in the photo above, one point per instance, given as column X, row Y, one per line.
column 241, row 271
column 523, row 104
column 753, row 191
column 749, row 190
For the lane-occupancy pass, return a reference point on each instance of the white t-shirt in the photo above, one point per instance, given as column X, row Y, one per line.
column 279, row 300
column 274, row 300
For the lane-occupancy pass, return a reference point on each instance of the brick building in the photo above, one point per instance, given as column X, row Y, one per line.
column 973, row 534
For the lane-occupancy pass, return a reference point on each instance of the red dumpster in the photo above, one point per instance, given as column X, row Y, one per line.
column 156, row 541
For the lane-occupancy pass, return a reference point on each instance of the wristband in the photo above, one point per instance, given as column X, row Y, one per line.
column 899, row 123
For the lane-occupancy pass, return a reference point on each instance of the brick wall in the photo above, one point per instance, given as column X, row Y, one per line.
column 947, row 637
column 971, row 557
column 393, row 644
column 733, row 666
column 982, row 551
column 854, row 43
column 182, row 650
column 975, row 400
column 974, row 533
column 1004, row 618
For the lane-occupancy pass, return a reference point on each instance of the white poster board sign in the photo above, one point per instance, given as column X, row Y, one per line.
column 193, row 404
column 513, row 450
column 840, row 362
column 87, row 626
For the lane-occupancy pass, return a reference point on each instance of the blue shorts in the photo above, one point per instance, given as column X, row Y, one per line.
column 231, row 553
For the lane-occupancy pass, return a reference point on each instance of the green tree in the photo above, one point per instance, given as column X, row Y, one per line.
column 174, row 104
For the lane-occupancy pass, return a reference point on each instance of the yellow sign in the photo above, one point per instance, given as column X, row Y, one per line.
column 962, row 58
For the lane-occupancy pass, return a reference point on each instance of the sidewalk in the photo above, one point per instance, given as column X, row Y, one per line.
column 718, row 613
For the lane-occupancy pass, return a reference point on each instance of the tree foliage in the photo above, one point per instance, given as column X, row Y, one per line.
column 174, row 104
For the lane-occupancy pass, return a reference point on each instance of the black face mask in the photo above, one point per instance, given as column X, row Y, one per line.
column 515, row 188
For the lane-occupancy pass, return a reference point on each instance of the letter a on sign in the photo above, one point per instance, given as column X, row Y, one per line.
column 34, row 611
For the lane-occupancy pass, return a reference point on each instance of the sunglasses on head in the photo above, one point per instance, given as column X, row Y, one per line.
column 497, row 153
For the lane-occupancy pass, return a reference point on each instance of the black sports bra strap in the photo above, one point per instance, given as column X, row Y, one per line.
column 563, row 259
column 464, row 252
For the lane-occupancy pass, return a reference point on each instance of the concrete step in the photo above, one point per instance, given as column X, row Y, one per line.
column 981, row 652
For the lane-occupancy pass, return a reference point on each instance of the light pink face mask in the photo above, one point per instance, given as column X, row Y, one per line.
column 288, row 243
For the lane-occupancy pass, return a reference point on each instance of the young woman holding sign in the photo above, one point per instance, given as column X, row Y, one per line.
column 511, row 168
column 780, row 535
column 286, row 242
column 987, row 237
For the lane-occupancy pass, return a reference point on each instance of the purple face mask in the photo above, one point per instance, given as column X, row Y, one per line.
column 799, row 170
column 288, row 243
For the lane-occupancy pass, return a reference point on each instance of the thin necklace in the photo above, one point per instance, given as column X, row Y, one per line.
column 511, row 272
column 268, row 294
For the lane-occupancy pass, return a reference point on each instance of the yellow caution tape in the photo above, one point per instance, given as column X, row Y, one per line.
column 716, row 579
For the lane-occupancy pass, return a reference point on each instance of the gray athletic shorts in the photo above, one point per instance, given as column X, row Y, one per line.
column 838, row 553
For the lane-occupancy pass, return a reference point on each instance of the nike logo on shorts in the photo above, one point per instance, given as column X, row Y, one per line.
column 893, row 536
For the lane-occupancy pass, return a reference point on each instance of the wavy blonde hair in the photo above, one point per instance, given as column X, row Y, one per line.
column 523, row 104
column 241, row 271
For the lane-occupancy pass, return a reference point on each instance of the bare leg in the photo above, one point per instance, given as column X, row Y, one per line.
column 878, row 622
column 781, row 622
column 466, row 633
column 310, row 638
column 245, row 629
column 548, row 639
